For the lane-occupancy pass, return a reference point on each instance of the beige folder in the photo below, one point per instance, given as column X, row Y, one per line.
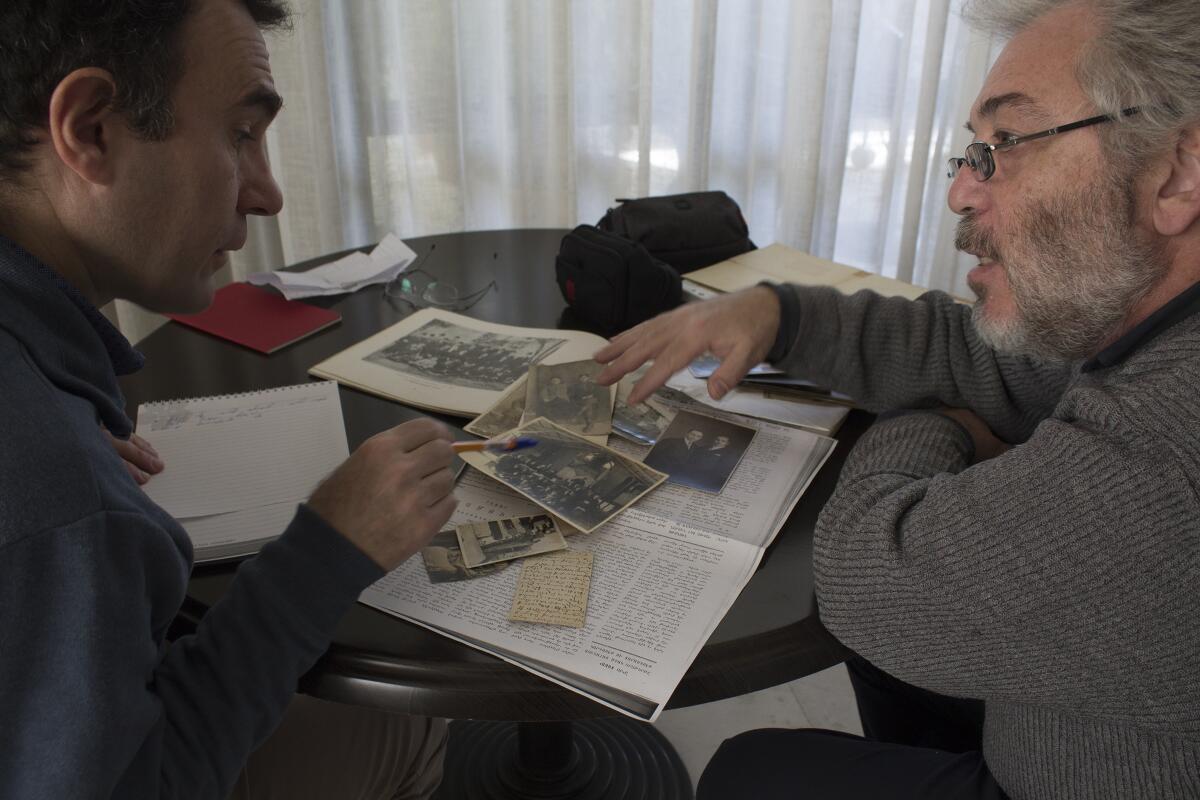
column 781, row 264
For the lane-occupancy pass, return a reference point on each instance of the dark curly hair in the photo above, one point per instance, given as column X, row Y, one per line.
column 137, row 41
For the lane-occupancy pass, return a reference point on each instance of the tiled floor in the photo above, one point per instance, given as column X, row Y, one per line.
column 823, row 700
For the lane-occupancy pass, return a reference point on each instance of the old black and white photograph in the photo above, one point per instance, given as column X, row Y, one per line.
column 453, row 354
column 643, row 423
column 585, row 484
column 444, row 562
column 495, row 541
column 568, row 396
column 503, row 416
column 699, row 451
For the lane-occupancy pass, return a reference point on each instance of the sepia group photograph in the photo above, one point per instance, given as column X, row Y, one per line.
column 460, row 356
column 585, row 484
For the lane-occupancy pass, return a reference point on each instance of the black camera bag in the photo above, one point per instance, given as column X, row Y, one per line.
column 688, row 231
column 612, row 283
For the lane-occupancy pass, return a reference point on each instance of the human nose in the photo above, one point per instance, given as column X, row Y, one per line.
column 260, row 194
column 967, row 193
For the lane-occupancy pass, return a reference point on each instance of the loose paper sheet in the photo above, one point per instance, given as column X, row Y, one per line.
column 762, row 403
column 553, row 589
column 349, row 273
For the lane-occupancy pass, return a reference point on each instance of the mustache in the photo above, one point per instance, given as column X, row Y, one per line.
column 970, row 238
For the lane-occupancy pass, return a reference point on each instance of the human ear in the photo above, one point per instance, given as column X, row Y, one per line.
column 1177, row 205
column 83, row 125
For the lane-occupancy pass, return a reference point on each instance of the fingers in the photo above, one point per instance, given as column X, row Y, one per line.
column 411, row 435
column 430, row 458
column 140, row 457
column 440, row 512
column 614, row 348
column 140, row 477
column 145, row 456
column 675, row 354
column 641, row 343
column 436, row 486
column 729, row 373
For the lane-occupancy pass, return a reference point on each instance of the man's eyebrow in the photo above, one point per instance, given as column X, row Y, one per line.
column 262, row 97
column 1018, row 100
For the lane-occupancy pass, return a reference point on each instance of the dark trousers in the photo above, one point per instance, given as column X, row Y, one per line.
column 916, row 745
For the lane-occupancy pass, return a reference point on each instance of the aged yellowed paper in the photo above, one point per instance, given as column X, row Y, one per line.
column 504, row 415
column 572, row 478
column 553, row 589
column 496, row 540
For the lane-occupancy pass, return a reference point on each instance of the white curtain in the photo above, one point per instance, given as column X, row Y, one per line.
column 829, row 121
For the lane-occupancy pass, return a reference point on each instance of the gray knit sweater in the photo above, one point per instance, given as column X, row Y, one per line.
column 1059, row 582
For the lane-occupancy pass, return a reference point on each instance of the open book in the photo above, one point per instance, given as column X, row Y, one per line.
column 449, row 362
column 666, row 571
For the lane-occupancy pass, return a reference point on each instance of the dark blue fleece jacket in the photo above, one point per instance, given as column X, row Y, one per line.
column 93, row 701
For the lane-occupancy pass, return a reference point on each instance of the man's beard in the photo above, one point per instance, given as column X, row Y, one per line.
column 1076, row 267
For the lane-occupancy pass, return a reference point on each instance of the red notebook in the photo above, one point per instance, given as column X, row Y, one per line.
column 258, row 319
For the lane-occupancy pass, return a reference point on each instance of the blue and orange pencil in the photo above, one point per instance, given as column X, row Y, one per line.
column 503, row 445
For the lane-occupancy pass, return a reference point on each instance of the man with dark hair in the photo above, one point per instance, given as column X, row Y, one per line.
column 675, row 453
column 131, row 153
column 1015, row 556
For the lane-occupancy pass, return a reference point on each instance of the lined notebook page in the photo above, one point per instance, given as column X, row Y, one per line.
column 237, row 533
column 236, row 452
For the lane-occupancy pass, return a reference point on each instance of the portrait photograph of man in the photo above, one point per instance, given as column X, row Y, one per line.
column 700, row 452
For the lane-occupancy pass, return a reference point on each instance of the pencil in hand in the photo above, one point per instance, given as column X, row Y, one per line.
column 506, row 444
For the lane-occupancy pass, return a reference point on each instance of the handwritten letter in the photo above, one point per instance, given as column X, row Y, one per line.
column 553, row 589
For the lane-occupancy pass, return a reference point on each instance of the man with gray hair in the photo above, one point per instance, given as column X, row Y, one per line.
column 1022, row 541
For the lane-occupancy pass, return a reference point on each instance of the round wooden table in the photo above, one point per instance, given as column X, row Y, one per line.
column 543, row 741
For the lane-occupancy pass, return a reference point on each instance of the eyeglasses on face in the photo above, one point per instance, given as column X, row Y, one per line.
column 979, row 154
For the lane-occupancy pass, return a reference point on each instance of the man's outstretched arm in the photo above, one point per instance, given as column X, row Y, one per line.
column 886, row 352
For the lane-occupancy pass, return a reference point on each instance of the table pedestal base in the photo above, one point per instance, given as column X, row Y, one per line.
column 613, row 757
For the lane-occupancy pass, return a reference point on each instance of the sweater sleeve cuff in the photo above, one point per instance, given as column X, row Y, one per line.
column 789, row 322
column 336, row 549
column 316, row 553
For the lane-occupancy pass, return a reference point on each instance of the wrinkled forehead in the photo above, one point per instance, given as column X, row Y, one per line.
column 1034, row 83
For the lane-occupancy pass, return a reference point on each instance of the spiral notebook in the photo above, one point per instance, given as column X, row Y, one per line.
column 237, row 465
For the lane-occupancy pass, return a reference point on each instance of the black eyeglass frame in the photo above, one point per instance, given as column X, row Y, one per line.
column 979, row 154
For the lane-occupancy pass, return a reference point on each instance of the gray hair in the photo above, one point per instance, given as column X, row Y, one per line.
column 1147, row 55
